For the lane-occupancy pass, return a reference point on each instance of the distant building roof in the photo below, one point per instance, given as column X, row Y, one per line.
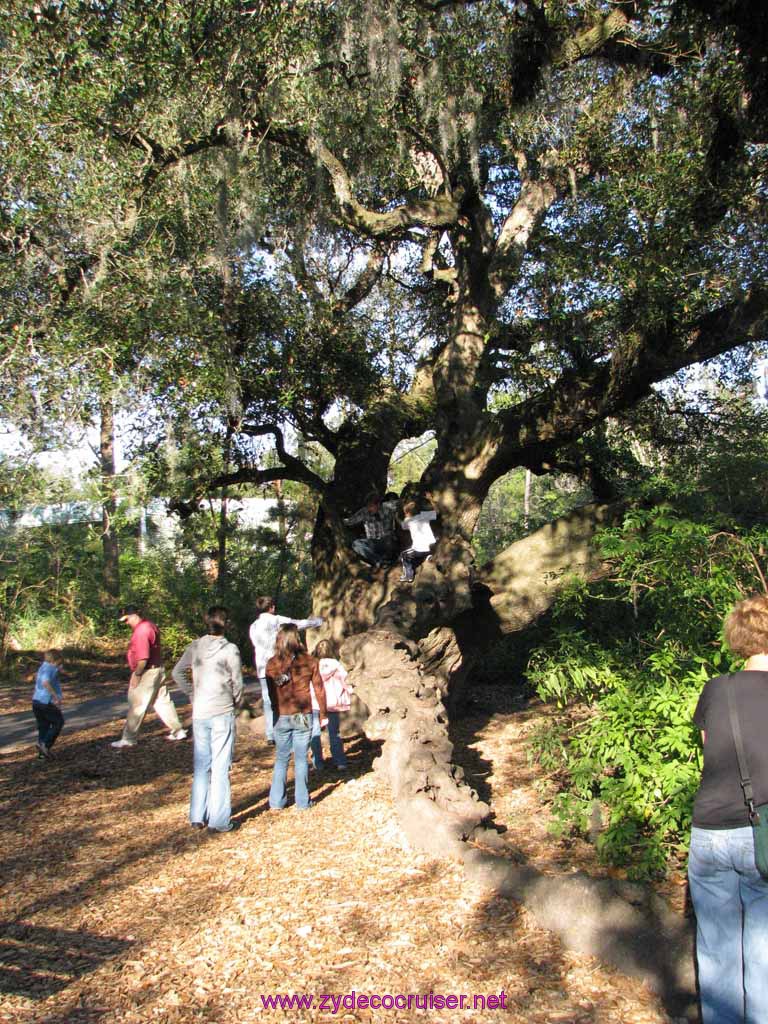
column 251, row 512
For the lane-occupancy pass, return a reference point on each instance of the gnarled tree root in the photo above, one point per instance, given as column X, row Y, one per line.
column 619, row 923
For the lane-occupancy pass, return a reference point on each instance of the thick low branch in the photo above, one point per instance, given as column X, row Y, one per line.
column 438, row 212
column 522, row 581
column 291, row 469
column 253, row 475
column 524, row 434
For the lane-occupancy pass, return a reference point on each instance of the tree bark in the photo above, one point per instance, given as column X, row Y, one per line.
column 412, row 653
column 406, row 673
column 109, row 539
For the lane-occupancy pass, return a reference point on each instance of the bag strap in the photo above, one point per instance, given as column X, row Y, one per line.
column 746, row 781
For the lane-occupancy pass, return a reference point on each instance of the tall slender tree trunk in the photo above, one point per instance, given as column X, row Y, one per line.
column 109, row 539
column 142, row 542
column 282, row 532
column 223, row 528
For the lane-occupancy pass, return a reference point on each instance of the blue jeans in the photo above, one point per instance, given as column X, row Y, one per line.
column 292, row 733
column 315, row 743
column 49, row 722
column 211, row 800
column 269, row 729
column 731, row 902
column 338, row 756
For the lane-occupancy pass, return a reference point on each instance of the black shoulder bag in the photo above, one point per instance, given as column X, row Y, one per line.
column 758, row 816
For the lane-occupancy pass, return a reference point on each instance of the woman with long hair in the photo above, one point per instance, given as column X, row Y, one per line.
column 291, row 673
column 263, row 634
column 729, row 894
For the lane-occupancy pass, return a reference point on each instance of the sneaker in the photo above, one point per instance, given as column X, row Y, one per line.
column 42, row 750
column 197, row 824
column 178, row 734
column 122, row 743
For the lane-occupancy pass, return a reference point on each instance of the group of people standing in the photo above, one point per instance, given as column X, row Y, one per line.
column 301, row 693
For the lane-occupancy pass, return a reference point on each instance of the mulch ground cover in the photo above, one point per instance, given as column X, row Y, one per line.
column 115, row 910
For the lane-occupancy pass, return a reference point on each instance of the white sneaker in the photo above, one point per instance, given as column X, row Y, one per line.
column 122, row 743
column 179, row 734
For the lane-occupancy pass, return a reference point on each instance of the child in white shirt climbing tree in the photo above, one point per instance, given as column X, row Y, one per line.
column 422, row 539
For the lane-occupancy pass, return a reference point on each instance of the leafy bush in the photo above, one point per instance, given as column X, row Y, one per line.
column 49, row 586
column 626, row 661
column 37, row 631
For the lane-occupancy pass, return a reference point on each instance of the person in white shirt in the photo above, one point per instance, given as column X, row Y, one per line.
column 422, row 539
column 263, row 634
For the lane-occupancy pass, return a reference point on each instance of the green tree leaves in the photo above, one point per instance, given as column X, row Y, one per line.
column 626, row 661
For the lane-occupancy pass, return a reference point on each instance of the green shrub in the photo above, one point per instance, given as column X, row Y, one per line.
column 626, row 660
column 34, row 630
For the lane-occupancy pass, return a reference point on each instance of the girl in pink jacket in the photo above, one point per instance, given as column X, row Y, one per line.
column 338, row 698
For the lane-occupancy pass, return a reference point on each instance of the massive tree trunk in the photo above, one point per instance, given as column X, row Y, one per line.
column 414, row 647
column 411, row 663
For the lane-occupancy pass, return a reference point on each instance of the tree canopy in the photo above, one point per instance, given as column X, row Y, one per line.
column 366, row 219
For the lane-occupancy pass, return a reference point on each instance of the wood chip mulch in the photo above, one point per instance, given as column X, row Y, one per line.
column 114, row 910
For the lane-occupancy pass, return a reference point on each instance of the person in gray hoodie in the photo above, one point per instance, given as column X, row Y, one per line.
column 210, row 671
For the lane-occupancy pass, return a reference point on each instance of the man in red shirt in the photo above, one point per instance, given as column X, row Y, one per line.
column 147, row 683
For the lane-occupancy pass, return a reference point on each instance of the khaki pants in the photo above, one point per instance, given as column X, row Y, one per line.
column 150, row 689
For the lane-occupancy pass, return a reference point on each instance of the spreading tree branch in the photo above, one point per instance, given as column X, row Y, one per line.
column 531, row 432
column 438, row 212
column 590, row 41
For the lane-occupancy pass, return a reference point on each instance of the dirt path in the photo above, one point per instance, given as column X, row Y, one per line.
column 492, row 745
column 116, row 911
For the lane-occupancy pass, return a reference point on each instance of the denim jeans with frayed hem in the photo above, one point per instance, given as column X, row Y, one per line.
column 269, row 731
column 292, row 733
column 211, row 800
column 731, row 902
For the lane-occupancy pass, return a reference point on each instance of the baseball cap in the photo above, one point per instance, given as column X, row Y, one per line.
column 128, row 609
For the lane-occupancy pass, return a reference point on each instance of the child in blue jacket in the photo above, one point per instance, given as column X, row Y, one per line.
column 46, row 702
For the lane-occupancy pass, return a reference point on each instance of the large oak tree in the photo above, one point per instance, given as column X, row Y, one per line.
column 498, row 220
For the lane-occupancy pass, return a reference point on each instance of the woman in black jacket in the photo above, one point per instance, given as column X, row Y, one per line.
column 729, row 895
